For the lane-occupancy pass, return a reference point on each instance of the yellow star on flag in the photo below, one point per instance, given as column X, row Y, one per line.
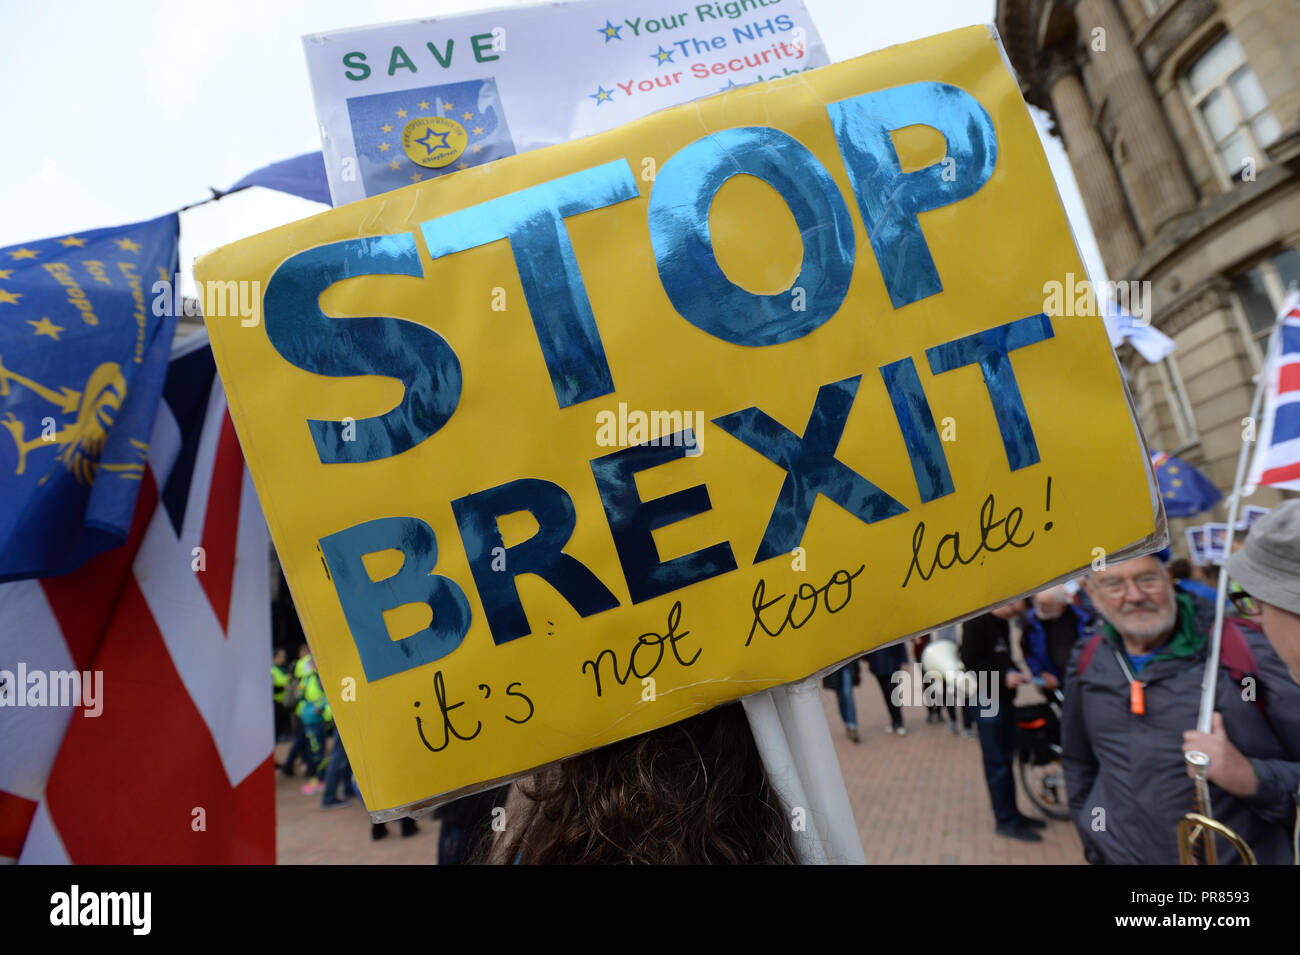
column 424, row 104
column 9, row 298
column 72, row 241
column 401, row 114
column 478, row 130
column 469, row 116
column 416, row 177
column 383, row 147
column 476, row 148
column 24, row 253
column 446, row 105
column 462, row 165
column 126, row 245
column 46, row 327
column 5, row 273
column 394, row 165
column 387, row 128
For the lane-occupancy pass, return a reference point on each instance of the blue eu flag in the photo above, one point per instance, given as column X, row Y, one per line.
column 82, row 364
column 1185, row 490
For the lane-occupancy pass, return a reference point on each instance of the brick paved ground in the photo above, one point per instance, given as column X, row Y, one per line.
column 309, row 835
column 919, row 798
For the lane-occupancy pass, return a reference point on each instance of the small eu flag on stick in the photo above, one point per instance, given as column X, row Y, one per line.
column 1185, row 490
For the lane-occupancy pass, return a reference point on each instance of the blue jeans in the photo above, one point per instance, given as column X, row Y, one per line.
column 340, row 771
column 998, row 745
column 844, row 696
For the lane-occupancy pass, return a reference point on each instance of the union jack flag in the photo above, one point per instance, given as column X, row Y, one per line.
column 176, row 766
column 1277, row 449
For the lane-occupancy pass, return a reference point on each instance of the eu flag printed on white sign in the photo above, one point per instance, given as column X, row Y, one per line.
column 412, row 135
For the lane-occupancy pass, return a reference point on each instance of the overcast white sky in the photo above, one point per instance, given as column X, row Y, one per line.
column 119, row 112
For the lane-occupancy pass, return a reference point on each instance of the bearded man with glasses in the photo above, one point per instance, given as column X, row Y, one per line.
column 1132, row 694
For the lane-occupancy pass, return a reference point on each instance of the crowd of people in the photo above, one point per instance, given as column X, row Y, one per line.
column 302, row 709
column 1123, row 651
column 303, row 717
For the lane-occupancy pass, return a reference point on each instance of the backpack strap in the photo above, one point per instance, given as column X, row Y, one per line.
column 1235, row 653
column 1237, row 658
column 1085, row 657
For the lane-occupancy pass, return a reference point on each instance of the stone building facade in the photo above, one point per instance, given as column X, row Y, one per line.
column 1181, row 120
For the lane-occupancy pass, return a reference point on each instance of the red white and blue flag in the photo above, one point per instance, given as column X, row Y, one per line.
column 161, row 751
column 1277, row 448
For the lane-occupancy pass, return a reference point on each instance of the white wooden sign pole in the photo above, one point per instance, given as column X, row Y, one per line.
column 794, row 739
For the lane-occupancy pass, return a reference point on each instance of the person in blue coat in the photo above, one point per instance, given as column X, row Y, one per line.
column 1051, row 629
column 1185, row 579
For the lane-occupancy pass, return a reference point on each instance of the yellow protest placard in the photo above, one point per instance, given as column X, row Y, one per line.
column 577, row 444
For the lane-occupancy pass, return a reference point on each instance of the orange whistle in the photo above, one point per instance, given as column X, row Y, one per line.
column 1137, row 698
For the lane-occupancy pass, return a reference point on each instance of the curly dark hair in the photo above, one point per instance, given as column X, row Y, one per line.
column 691, row 793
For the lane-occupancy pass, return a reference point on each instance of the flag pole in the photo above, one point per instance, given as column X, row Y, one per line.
column 1199, row 762
column 1205, row 719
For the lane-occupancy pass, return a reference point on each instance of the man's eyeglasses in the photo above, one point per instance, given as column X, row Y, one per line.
column 1149, row 583
column 1246, row 605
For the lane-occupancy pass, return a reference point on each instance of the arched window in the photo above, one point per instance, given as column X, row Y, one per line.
column 1230, row 109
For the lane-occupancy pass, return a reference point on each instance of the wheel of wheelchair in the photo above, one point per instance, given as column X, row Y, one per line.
column 1044, row 783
